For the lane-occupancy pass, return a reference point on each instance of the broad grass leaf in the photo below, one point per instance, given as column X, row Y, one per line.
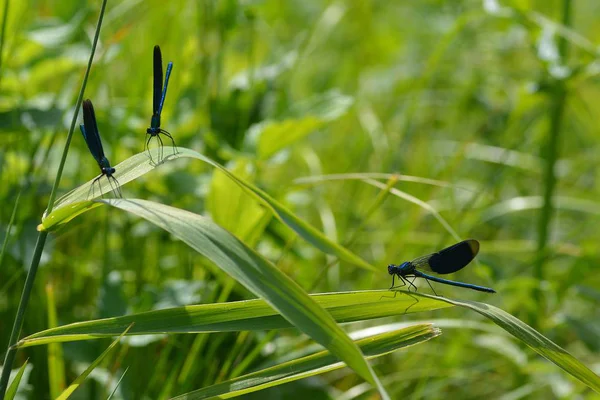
column 247, row 315
column 256, row 274
column 304, row 118
column 344, row 307
column 274, row 136
column 77, row 202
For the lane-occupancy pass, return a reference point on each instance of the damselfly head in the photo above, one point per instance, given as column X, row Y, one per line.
column 109, row 170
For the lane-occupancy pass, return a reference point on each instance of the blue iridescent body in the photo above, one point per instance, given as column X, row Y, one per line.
column 446, row 261
column 89, row 130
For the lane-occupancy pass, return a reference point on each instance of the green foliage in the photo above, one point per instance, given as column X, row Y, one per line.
column 315, row 364
column 334, row 138
column 81, row 378
column 12, row 391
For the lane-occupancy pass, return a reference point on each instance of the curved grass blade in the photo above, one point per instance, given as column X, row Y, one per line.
column 314, row 364
column 257, row 274
column 77, row 202
column 344, row 307
column 420, row 203
column 538, row 342
column 370, row 178
column 248, row 315
column 363, row 176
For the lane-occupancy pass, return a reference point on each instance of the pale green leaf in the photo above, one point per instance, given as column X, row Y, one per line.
column 238, row 316
column 303, row 118
column 274, row 136
column 77, row 202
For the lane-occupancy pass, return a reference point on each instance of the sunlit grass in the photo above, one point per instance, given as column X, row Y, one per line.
column 346, row 136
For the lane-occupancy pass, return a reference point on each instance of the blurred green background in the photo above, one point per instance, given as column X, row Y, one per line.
column 490, row 105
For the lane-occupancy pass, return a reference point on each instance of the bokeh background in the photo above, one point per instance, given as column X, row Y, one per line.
column 488, row 109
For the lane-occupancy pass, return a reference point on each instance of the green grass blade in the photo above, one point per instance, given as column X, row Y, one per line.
column 118, row 383
column 256, row 274
column 252, row 355
column 11, row 392
column 344, row 307
column 77, row 202
column 79, row 380
column 314, row 364
column 240, row 316
column 538, row 342
column 420, row 203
